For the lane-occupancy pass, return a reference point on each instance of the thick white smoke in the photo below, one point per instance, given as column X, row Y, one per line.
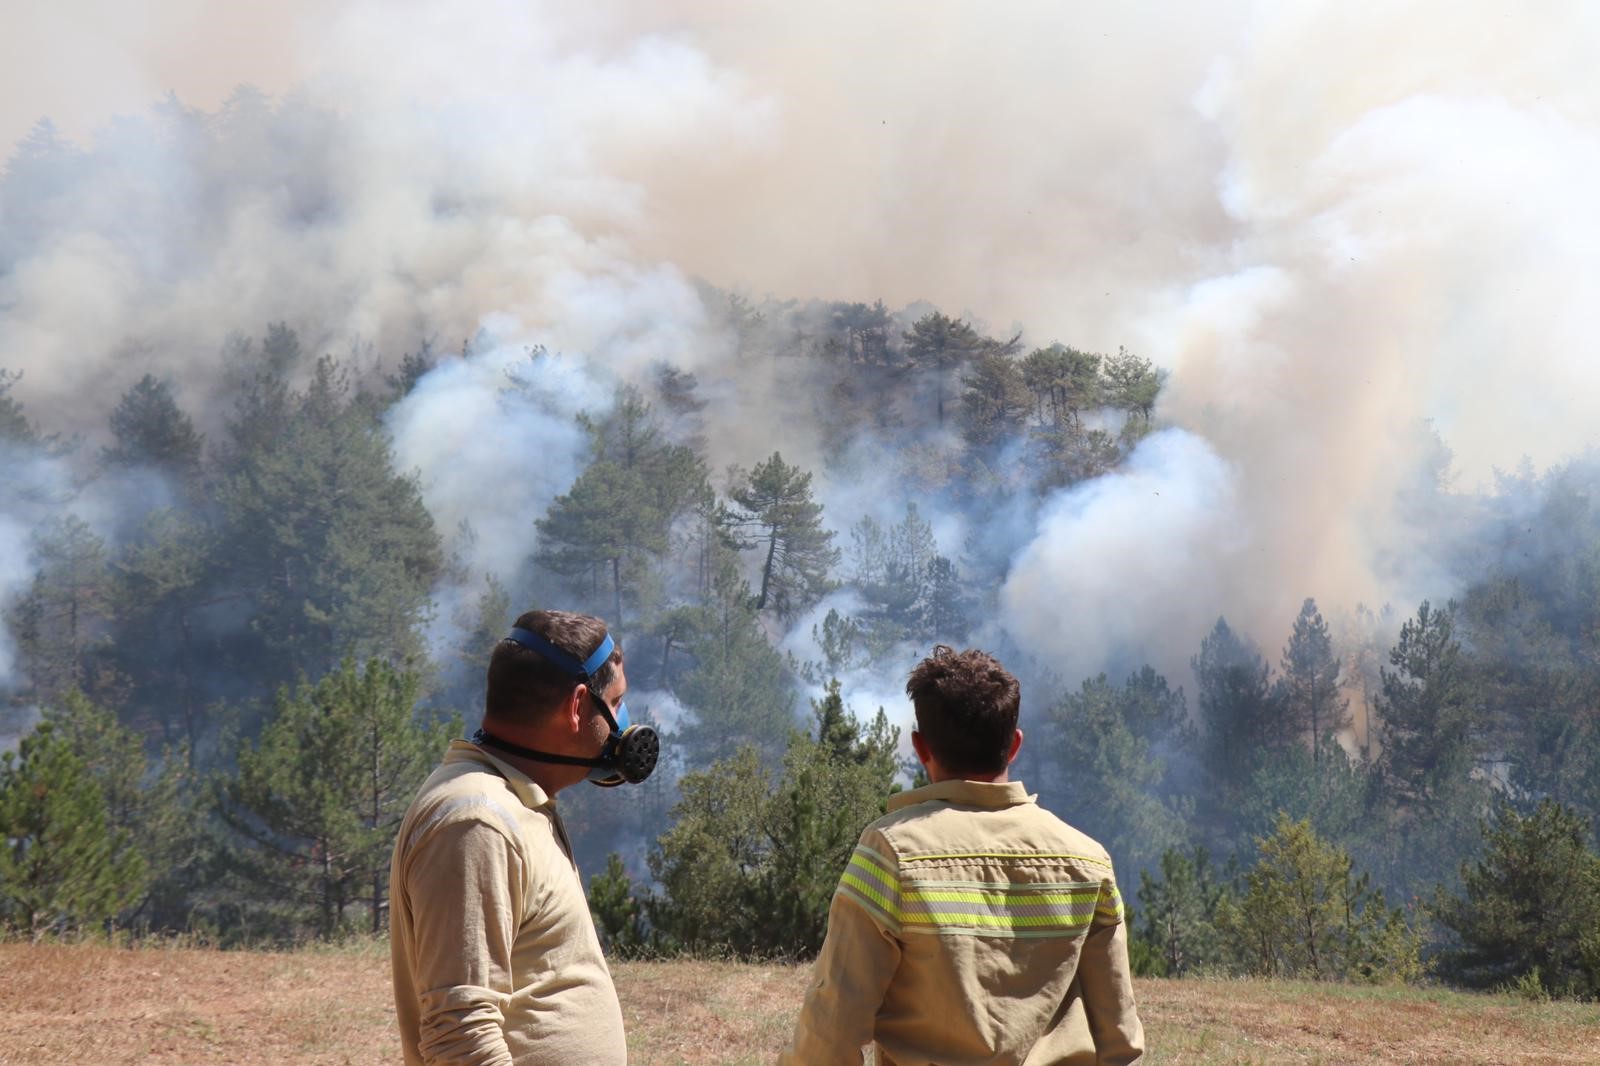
column 1333, row 221
column 1121, row 564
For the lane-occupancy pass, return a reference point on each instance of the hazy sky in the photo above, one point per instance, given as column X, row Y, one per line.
column 1337, row 224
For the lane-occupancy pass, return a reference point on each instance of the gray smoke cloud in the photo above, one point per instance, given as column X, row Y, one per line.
column 1333, row 222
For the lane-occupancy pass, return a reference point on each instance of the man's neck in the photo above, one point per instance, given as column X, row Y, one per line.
column 549, row 776
column 938, row 775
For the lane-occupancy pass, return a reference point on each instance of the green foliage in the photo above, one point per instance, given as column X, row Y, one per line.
column 750, row 864
column 1331, row 793
column 333, row 548
column 1529, row 910
column 60, row 624
column 618, row 914
column 151, row 430
column 14, row 425
column 1304, row 912
column 739, row 687
column 317, row 799
column 909, row 590
column 1131, row 383
column 161, row 590
column 1239, row 711
column 63, row 865
column 1177, row 920
column 773, row 512
column 1426, row 720
column 994, row 402
column 1114, row 784
column 1064, row 383
column 617, row 518
column 1310, row 681
column 150, row 809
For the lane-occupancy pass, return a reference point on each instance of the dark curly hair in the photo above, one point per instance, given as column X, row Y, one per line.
column 967, row 707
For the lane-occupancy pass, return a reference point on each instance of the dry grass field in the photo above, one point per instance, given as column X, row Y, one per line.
column 95, row 1004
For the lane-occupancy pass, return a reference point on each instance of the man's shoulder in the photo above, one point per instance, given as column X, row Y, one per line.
column 1026, row 827
column 1072, row 838
column 465, row 793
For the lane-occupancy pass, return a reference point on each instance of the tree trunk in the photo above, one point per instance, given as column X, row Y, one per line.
column 766, row 570
column 616, row 588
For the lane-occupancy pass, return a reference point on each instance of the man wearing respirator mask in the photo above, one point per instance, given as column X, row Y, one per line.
column 494, row 953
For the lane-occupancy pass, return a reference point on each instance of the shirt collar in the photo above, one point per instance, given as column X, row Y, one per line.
column 532, row 796
column 967, row 793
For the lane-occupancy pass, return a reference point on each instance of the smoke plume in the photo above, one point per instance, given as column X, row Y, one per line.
column 1338, row 225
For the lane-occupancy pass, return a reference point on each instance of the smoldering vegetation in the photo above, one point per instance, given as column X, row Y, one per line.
column 1264, row 461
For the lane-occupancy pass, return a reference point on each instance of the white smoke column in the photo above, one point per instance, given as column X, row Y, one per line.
column 1416, row 242
column 1130, row 564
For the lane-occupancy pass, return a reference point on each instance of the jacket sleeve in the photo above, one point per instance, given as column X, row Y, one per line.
column 1107, row 982
column 859, row 957
column 465, row 881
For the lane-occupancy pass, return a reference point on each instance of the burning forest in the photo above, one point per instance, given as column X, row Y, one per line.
column 1223, row 371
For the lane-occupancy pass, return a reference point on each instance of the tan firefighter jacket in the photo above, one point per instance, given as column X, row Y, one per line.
column 972, row 926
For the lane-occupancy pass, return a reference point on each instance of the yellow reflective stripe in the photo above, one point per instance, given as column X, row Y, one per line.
column 1112, row 909
column 870, row 881
column 876, row 864
column 998, row 921
column 999, row 896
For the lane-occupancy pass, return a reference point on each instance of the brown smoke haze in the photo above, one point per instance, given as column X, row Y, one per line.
column 1352, row 231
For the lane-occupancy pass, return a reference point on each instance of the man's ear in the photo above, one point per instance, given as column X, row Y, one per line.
column 572, row 712
column 919, row 744
column 1016, row 746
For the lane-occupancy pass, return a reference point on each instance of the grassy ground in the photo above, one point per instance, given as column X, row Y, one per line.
column 185, row 1005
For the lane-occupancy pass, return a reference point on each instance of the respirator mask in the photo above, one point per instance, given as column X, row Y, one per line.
column 630, row 752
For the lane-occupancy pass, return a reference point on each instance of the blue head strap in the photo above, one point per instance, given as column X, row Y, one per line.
column 534, row 642
column 586, row 669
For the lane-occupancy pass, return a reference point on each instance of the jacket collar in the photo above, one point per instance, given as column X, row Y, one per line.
column 967, row 793
column 532, row 796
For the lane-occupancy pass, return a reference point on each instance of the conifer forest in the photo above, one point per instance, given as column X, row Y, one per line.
column 1292, row 536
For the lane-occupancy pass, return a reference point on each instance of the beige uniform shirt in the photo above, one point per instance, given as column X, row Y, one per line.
column 972, row 926
column 495, row 956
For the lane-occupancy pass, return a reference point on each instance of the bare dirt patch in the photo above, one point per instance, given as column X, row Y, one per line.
column 84, row 1003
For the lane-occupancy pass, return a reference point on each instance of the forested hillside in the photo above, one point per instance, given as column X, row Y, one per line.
column 303, row 398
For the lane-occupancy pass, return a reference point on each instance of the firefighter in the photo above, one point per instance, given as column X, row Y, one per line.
column 971, row 925
column 494, row 953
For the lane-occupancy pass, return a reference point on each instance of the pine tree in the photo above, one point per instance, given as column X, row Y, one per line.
column 1113, row 783
column 938, row 344
column 1237, row 705
column 618, row 912
column 14, row 425
column 616, row 521
column 151, row 430
column 164, row 582
column 334, row 550
column 1177, row 912
column 63, row 866
column 1305, row 912
column 150, row 809
column 1310, row 680
column 60, row 624
column 1064, row 383
column 774, row 512
column 316, row 801
column 1529, row 909
column 994, row 403
column 739, row 687
column 750, row 863
column 1427, row 742
column 1131, row 383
